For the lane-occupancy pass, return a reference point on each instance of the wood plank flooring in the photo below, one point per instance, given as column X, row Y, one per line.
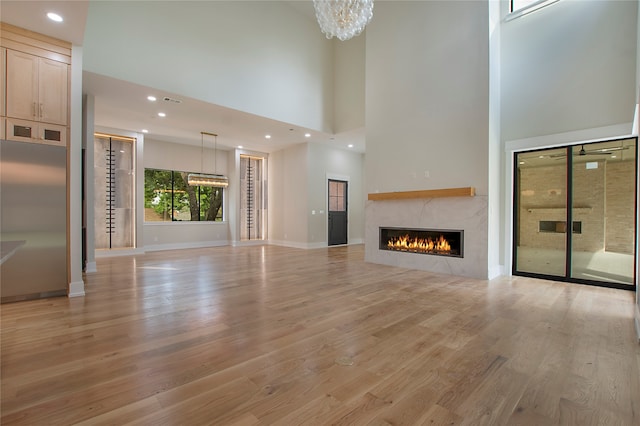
column 279, row 336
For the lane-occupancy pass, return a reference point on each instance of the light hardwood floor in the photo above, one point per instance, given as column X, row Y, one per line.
column 273, row 335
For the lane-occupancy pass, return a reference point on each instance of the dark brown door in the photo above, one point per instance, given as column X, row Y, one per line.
column 337, row 212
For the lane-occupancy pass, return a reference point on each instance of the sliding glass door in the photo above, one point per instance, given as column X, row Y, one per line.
column 575, row 213
column 542, row 211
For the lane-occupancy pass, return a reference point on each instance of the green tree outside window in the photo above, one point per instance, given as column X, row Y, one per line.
column 168, row 197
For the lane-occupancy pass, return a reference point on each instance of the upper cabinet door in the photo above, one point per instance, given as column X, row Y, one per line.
column 52, row 91
column 22, row 85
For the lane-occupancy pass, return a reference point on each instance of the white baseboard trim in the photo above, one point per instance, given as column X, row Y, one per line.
column 189, row 245
column 76, row 289
column 118, row 252
column 291, row 244
column 298, row 245
column 249, row 243
column 496, row 271
column 317, row 245
column 356, row 241
column 91, row 268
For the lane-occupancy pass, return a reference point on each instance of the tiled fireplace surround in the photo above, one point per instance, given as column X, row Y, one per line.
column 468, row 213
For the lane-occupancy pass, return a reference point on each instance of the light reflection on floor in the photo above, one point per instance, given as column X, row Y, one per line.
column 164, row 268
column 598, row 266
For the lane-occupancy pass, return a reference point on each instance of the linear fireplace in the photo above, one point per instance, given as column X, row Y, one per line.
column 439, row 242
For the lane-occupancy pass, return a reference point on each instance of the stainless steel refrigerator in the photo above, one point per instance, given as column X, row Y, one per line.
column 33, row 220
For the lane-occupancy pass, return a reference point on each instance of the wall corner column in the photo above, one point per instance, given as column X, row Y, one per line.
column 76, row 283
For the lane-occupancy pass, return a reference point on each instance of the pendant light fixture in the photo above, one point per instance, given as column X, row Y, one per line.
column 207, row 179
column 343, row 19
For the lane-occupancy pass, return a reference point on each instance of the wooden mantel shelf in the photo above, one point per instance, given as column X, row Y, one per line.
column 427, row 193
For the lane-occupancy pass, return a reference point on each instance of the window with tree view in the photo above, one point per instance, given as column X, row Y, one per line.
column 168, row 198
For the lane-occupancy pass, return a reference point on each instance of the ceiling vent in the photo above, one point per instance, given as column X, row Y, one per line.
column 175, row 101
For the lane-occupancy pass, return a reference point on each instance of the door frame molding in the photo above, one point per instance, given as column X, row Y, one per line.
column 598, row 134
column 328, row 177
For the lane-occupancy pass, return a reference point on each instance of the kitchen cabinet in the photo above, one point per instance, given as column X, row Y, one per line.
column 36, row 75
column 31, row 131
column 36, row 88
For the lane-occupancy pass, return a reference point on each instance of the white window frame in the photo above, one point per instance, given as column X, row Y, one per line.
column 513, row 14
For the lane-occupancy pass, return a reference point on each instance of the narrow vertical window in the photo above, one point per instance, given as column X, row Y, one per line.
column 114, row 192
column 252, row 198
column 519, row 8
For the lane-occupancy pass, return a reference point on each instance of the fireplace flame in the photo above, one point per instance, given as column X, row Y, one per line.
column 424, row 245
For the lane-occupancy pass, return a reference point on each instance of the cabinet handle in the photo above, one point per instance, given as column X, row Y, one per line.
column 41, row 110
column 33, row 109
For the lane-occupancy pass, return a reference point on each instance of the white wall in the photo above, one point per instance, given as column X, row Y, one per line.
column 567, row 67
column 169, row 235
column 568, row 74
column 298, row 187
column 88, row 111
column 495, row 202
column 427, row 96
column 348, row 84
column 427, row 123
column 76, row 283
column 243, row 55
column 288, row 198
column 189, row 158
column 331, row 163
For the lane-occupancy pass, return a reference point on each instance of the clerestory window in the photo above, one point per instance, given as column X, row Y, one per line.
column 519, row 8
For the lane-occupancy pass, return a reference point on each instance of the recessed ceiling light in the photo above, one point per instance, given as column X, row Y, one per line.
column 162, row 114
column 145, row 131
column 540, row 156
column 307, row 135
column 613, row 156
column 350, row 145
column 54, row 17
column 267, row 136
column 151, row 98
column 522, row 162
column 240, row 146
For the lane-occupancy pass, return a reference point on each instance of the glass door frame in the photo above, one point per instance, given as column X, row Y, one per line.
column 256, row 204
column 569, row 219
column 134, row 197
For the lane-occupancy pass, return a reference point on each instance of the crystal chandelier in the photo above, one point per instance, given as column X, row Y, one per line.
column 343, row 18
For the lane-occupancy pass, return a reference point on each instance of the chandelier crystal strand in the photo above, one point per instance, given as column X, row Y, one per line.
column 343, row 19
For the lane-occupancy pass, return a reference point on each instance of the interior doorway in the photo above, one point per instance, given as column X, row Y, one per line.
column 575, row 213
column 337, row 212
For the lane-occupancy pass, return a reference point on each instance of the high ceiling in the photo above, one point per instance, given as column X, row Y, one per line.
column 123, row 105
